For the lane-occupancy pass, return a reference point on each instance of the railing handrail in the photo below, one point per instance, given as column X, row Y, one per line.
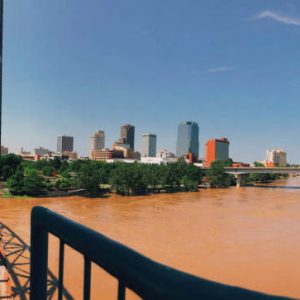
column 147, row 278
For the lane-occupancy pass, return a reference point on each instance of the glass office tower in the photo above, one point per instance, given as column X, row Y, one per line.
column 187, row 139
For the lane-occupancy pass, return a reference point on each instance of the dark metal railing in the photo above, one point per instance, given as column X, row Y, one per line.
column 147, row 278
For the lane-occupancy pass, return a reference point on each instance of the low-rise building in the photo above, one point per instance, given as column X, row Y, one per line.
column 72, row 155
column 158, row 160
column 105, row 154
column 165, row 154
column 41, row 151
column 128, row 152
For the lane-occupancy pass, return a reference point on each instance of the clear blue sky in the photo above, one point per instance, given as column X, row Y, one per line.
column 74, row 67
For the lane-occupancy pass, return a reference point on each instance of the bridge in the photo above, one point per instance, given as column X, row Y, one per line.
column 241, row 171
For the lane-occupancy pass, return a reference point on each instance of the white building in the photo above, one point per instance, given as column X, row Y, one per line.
column 148, row 147
column 165, row 154
column 158, row 160
column 276, row 158
column 97, row 141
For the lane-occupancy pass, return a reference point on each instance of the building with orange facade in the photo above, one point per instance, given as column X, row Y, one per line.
column 216, row 149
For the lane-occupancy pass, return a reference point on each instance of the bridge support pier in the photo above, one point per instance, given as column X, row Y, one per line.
column 240, row 180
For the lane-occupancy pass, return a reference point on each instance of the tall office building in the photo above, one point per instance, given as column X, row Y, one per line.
column 276, row 158
column 65, row 143
column 216, row 149
column 97, row 141
column 187, row 139
column 148, row 148
column 127, row 135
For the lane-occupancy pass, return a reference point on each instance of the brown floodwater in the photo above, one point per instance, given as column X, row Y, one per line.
column 248, row 237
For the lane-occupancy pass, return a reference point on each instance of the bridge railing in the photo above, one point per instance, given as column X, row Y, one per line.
column 147, row 278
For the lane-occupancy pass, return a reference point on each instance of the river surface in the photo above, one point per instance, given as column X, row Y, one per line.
column 248, row 237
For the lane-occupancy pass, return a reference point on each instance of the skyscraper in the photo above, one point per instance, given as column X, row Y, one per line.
column 187, row 139
column 64, row 143
column 148, row 148
column 127, row 135
column 97, row 142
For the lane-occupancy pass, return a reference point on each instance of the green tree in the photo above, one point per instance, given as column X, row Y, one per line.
column 88, row 179
column 191, row 178
column 64, row 184
column 15, row 183
column 33, row 183
column 55, row 163
column 170, row 177
column 216, row 175
column 128, row 179
column 9, row 165
column 48, row 171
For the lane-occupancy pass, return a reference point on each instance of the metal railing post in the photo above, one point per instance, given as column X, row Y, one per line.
column 38, row 262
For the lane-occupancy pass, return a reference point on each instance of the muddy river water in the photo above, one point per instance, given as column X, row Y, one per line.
column 248, row 237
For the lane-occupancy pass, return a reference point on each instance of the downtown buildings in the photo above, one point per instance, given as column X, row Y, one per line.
column 187, row 139
column 97, row 144
column 148, row 145
column 127, row 135
column 276, row 158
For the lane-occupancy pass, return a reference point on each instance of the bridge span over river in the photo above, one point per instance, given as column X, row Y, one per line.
column 241, row 171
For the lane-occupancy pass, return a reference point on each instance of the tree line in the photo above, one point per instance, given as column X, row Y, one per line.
column 42, row 177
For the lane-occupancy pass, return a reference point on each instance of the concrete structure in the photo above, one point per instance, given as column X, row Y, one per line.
column 158, row 160
column 148, row 145
column 41, row 151
column 216, row 149
column 97, row 142
column 106, row 154
column 4, row 150
column 276, row 158
column 127, row 135
column 128, row 152
column 71, row 155
column 165, row 153
column 65, row 143
column 187, row 139
column 190, row 158
column 241, row 171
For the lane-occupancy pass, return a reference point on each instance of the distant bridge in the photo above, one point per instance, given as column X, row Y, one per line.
column 239, row 172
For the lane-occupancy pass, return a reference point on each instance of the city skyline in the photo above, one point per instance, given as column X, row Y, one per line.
column 203, row 67
column 139, row 149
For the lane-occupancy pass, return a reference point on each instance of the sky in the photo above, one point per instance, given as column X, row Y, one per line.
column 74, row 67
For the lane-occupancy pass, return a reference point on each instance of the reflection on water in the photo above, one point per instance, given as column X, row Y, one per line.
column 248, row 237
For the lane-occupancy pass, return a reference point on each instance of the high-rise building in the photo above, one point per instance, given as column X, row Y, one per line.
column 187, row 139
column 127, row 135
column 148, row 148
column 4, row 150
column 216, row 149
column 97, row 142
column 276, row 158
column 64, row 143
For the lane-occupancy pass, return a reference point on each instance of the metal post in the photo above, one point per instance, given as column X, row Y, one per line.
column 1, row 52
column 38, row 262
